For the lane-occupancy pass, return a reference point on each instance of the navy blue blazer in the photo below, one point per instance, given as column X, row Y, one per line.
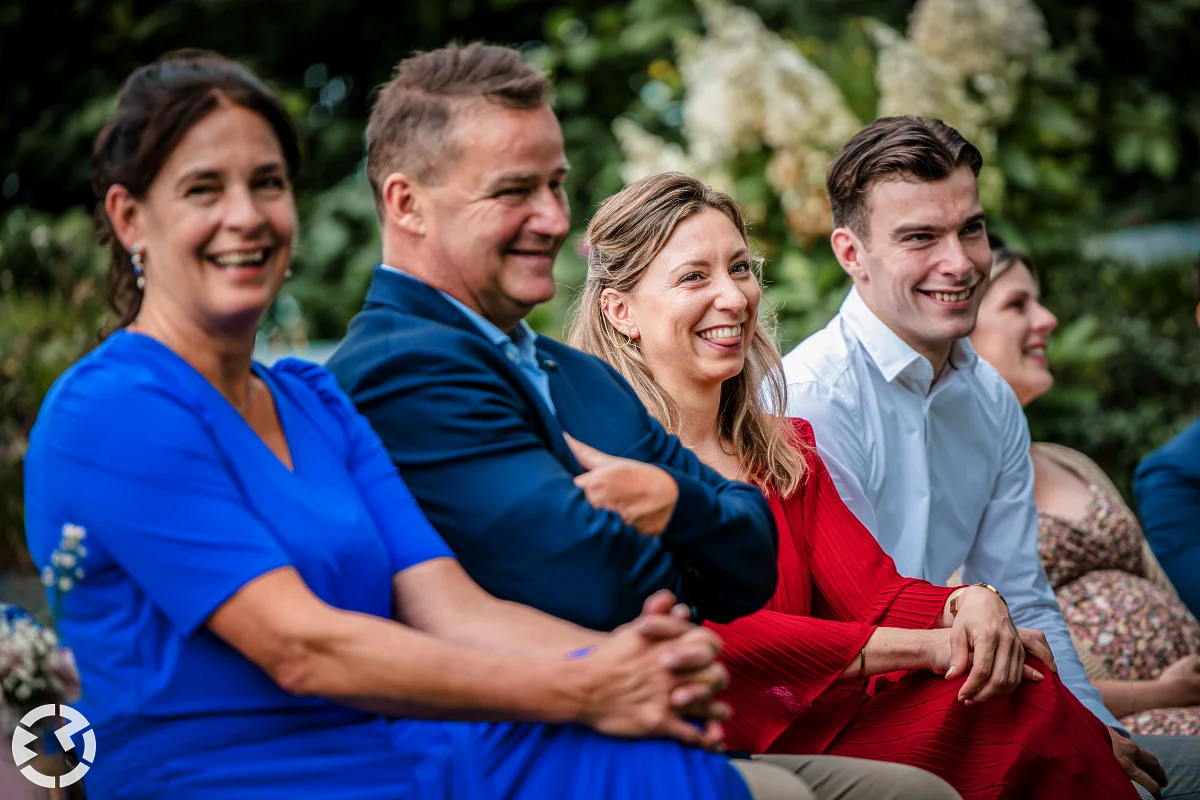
column 1167, row 486
column 486, row 459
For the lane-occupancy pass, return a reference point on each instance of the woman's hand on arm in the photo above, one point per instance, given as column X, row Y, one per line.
column 891, row 649
column 643, row 494
column 984, row 640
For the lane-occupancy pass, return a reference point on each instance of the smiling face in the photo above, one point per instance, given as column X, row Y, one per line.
column 216, row 224
column 1012, row 333
column 693, row 311
column 495, row 221
column 923, row 266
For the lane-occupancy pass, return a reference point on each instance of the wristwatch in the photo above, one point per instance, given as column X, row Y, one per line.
column 954, row 599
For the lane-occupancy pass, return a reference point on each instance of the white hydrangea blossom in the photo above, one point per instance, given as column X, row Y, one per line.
column 978, row 37
column 722, row 103
column 647, row 154
column 985, row 44
column 802, row 107
column 911, row 82
column 746, row 88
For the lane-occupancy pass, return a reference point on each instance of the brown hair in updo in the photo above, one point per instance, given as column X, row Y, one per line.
column 158, row 105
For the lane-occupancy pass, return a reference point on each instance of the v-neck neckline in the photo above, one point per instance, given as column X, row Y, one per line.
column 263, row 374
column 268, row 380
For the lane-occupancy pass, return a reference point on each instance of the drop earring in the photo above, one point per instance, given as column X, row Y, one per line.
column 135, row 255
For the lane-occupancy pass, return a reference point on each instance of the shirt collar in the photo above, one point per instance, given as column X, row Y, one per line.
column 523, row 336
column 894, row 357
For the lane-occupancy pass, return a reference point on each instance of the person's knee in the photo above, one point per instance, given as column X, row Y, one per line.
column 766, row 781
column 910, row 783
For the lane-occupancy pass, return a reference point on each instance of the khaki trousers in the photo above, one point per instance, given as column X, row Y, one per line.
column 835, row 778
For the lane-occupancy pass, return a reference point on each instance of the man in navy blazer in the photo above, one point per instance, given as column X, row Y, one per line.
column 473, row 405
column 1167, row 486
column 537, row 463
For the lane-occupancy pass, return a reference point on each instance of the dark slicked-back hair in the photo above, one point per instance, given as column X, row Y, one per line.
column 412, row 121
column 893, row 148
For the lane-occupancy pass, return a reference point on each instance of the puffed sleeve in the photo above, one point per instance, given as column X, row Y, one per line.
column 409, row 536
column 135, row 464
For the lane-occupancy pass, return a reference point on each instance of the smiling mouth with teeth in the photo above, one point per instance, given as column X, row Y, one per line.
column 729, row 332
column 249, row 258
column 951, row 297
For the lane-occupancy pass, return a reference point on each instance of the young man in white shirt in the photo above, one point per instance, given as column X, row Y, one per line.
column 926, row 443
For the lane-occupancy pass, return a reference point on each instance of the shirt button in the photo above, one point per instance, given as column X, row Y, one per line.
column 511, row 356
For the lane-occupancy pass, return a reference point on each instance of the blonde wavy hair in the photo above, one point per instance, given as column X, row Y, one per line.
column 627, row 232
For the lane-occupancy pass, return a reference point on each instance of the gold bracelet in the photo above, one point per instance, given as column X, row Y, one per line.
column 862, row 663
column 994, row 591
column 954, row 599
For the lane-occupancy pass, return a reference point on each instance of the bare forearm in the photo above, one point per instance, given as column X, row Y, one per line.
column 499, row 626
column 439, row 598
column 388, row 668
column 891, row 649
column 1123, row 698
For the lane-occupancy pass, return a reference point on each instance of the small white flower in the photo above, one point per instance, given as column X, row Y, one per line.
column 23, row 692
column 73, row 533
column 68, row 560
column 65, row 583
column 82, row 551
column 48, row 576
column 79, row 573
column 57, row 558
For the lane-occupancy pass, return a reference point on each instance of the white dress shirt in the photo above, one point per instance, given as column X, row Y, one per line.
column 941, row 476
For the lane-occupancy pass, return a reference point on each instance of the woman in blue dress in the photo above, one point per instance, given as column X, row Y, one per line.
column 259, row 608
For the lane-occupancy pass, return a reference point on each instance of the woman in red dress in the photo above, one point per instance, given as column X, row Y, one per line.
column 849, row 658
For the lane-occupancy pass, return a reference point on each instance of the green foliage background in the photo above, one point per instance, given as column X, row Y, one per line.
column 1107, row 136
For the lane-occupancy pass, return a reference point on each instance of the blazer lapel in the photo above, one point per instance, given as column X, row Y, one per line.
column 572, row 414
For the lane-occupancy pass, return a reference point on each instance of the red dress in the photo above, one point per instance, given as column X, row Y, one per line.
column 836, row 585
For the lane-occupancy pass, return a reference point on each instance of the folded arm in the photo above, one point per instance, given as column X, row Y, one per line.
column 482, row 466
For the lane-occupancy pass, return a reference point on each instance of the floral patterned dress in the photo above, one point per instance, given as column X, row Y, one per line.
column 1134, row 627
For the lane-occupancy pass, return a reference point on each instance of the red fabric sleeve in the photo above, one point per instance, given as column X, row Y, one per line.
column 853, row 578
column 783, row 657
column 779, row 663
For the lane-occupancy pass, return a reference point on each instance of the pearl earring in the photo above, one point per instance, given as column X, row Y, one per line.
column 135, row 255
column 287, row 273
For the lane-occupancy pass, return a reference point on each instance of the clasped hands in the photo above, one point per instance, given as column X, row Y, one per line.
column 983, row 639
column 657, row 676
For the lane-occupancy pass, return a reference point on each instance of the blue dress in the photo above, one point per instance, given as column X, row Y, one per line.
column 183, row 504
